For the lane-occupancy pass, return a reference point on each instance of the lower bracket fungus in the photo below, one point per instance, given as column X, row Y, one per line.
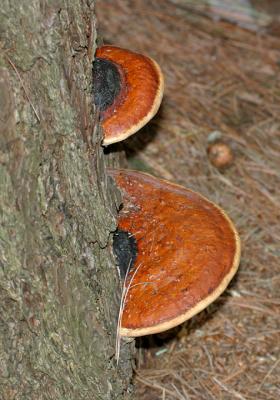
column 185, row 251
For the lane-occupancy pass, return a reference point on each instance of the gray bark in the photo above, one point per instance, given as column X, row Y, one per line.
column 59, row 290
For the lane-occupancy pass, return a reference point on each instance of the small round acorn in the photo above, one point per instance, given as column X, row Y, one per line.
column 127, row 89
column 220, row 155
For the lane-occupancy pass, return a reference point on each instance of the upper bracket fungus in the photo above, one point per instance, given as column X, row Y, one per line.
column 128, row 89
column 187, row 251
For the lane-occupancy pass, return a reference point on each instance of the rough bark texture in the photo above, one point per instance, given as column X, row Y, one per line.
column 59, row 290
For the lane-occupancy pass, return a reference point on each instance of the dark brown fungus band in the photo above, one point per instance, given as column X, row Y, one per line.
column 188, row 250
column 125, row 250
column 128, row 89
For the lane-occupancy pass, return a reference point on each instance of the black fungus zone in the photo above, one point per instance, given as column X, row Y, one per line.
column 125, row 250
column 106, row 83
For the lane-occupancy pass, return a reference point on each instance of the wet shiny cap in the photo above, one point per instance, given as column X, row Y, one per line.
column 188, row 250
column 128, row 89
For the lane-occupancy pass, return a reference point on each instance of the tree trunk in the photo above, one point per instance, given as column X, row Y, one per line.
column 59, row 290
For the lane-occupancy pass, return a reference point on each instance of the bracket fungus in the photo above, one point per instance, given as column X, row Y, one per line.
column 187, row 251
column 128, row 89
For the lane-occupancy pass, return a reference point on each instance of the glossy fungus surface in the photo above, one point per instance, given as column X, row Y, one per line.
column 139, row 97
column 187, row 252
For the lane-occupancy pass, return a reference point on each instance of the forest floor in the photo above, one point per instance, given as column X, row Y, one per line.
column 222, row 83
